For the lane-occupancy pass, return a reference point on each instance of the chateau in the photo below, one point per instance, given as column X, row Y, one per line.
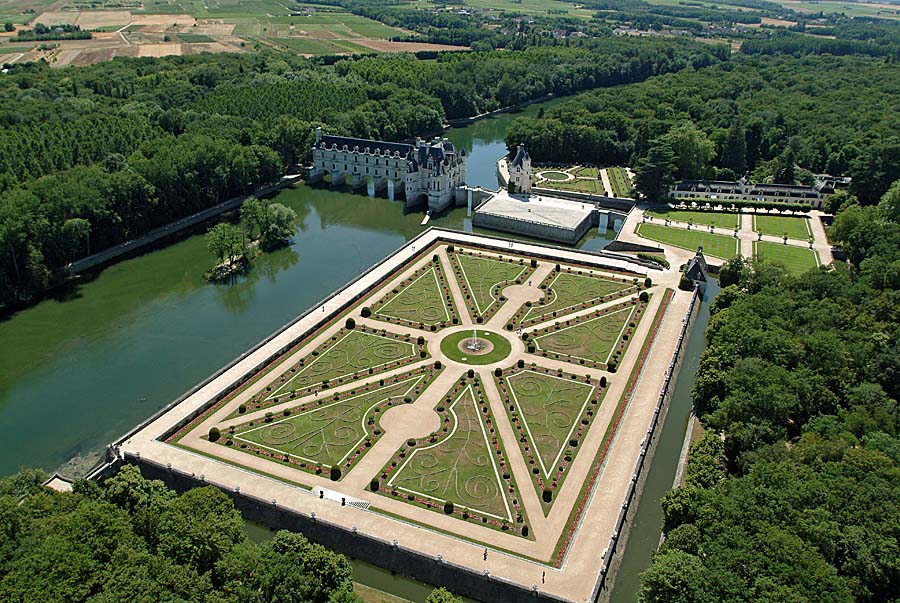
column 425, row 172
column 745, row 190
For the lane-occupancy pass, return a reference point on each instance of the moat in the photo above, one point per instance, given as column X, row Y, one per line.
column 136, row 336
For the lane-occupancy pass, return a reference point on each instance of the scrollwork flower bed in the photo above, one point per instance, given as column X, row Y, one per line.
column 423, row 300
column 567, row 290
column 347, row 356
column 483, row 276
column 461, row 470
column 598, row 339
column 587, row 488
column 327, row 432
column 550, row 413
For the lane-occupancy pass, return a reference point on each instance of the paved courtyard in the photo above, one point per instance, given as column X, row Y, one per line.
column 511, row 457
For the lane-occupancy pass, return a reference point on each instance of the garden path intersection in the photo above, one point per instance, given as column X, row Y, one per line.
column 413, row 430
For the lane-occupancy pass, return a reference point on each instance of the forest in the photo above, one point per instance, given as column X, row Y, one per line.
column 756, row 115
column 93, row 156
column 799, row 500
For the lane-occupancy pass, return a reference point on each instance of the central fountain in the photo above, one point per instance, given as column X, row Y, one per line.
column 475, row 344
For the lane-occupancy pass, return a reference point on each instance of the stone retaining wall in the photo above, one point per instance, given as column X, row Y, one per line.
column 392, row 556
column 612, row 558
column 539, row 230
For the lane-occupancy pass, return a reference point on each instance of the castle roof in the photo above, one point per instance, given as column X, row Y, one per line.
column 521, row 156
column 363, row 144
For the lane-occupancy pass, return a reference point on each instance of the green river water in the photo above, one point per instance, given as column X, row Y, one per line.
column 80, row 369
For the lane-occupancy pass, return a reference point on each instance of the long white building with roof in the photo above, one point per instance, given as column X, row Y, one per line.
column 426, row 172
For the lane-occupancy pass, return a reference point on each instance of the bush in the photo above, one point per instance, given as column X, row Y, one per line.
column 448, row 507
column 644, row 297
column 335, row 473
column 603, row 381
column 520, row 363
column 242, row 408
column 533, row 263
column 654, row 258
column 350, row 324
column 525, row 531
column 374, row 484
column 531, row 348
column 612, row 366
column 557, row 268
column 437, row 365
column 685, row 284
column 498, row 371
column 420, row 340
column 214, row 434
column 450, row 248
column 365, row 312
column 648, row 282
column 547, row 495
column 470, row 373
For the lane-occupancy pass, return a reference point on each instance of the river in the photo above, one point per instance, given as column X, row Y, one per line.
column 80, row 369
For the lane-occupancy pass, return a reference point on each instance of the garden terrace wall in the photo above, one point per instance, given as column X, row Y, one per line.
column 612, row 557
column 391, row 555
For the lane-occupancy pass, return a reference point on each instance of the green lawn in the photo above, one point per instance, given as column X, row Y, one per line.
column 461, row 467
column 583, row 186
column 706, row 218
column 592, row 340
column 587, row 172
column 354, row 351
column 330, row 433
column 715, row 245
column 797, row 259
column 555, row 175
column 550, row 409
column 450, row 348
column 566, row 291
column 618, row 179
column 419, row 301
column 194, row 38
column 482, row 278
column 795, row 227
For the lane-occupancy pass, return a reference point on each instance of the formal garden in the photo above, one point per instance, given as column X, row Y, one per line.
column 568, row 290
column 399, row 395
column 551, row 413
column 796, row 259
column 715, row 245
column 779, row 226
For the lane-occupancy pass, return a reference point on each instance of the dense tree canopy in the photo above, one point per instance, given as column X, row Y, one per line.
column 92, row 156
column 135, row 540
column 759, row 114
column 799, row 499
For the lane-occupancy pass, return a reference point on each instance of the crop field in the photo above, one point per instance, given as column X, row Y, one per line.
column 704, row 218
column 715, row 245
column 795, row 227
column 796, row 259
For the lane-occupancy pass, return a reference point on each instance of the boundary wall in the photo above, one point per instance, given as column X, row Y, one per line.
column 612, row 558
column 389, row 555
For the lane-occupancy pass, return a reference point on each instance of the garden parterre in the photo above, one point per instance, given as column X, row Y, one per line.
column 367, row 405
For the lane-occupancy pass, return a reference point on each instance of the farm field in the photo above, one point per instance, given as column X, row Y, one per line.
column 717, row 219
column 716, row 245
column 777, row 226
column 796, row 259
column 462, row 430
column 182, row 27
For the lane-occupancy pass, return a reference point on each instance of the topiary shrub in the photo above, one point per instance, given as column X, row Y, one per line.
column 350, row 324
column 365, row 312
column 498, row 371
column 603, row 381
column 520, row 363
column 533, row 263
column 644, row 297
column 437, row 365
column 470, row 373
column 242, row 408
column 648, row 282
column 374, row 484
column 214, row 434
column 335, row 473
column 531, row 348
column 448, row 507
column 685, row 284
column 547, row 495
column 420, row 340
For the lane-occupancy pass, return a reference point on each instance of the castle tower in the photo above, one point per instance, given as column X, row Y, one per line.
column 520, row 171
